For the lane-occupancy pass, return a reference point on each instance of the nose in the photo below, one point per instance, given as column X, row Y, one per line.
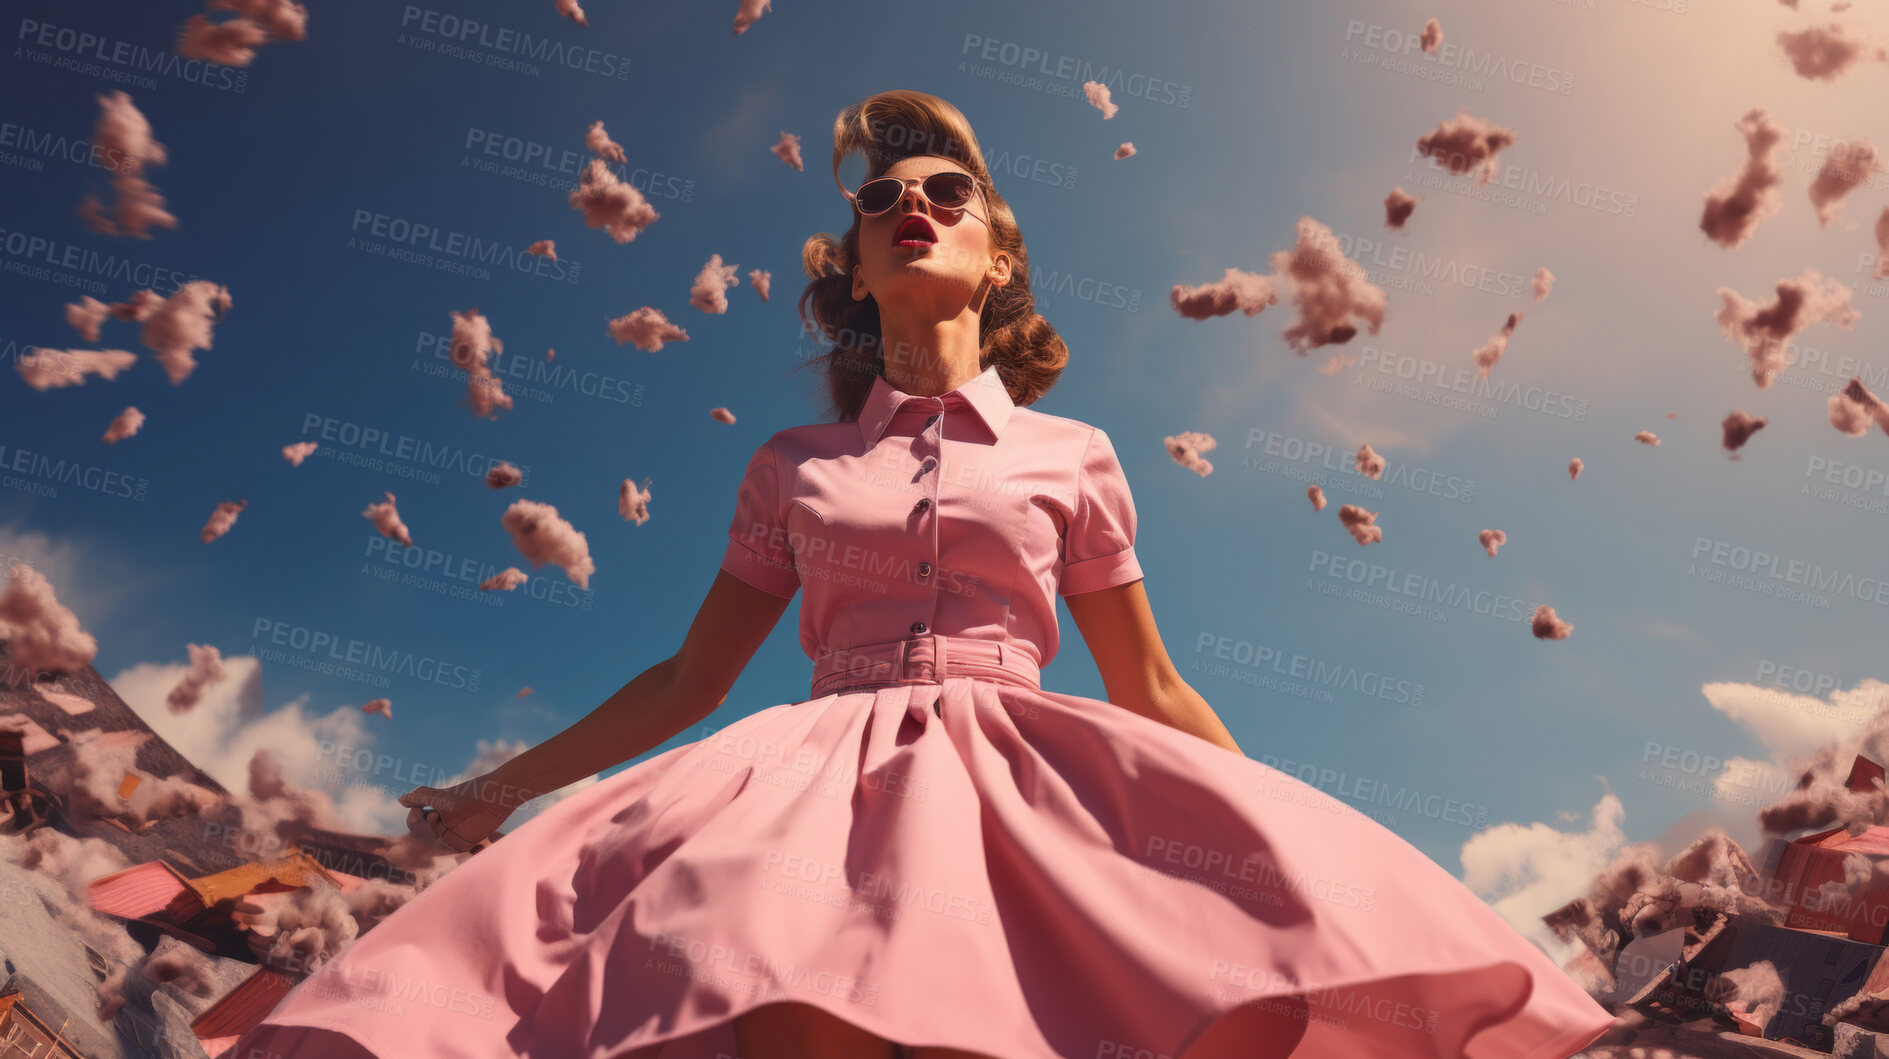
column 910, row 200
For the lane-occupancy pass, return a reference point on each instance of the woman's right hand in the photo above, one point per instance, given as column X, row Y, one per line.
column 461, row 816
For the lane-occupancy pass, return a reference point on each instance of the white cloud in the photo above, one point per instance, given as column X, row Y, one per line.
column 1525, row 871
column 226, row 728
column 88, row 579
column 1793, row 724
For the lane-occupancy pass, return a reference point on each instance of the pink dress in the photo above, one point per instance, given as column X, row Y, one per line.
column 931, row 846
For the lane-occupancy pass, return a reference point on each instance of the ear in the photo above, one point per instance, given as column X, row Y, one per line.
column 859, row 286
column 999, row 270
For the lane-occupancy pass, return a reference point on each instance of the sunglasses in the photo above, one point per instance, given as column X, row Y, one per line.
column 947, row 190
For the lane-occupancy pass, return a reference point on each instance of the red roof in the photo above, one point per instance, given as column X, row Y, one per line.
column 240, row 1010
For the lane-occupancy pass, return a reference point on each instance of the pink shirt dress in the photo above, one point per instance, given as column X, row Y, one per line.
column 932, row 846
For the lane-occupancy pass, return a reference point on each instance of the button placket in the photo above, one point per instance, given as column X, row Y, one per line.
column 932, row 446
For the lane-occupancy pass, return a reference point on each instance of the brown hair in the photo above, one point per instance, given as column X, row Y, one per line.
column 1028, row 353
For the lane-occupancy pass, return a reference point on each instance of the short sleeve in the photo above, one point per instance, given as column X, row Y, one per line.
column 758, row 550
column 1099, row 542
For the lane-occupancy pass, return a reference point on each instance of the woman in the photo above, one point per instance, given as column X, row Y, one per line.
column 932, row 856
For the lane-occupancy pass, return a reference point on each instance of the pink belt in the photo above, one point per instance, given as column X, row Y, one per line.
column 923, row 660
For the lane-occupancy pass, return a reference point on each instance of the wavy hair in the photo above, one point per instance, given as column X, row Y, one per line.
column 1028, row 353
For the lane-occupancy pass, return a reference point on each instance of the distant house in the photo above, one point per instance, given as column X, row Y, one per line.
column 1828, row 949
column 26, row 1022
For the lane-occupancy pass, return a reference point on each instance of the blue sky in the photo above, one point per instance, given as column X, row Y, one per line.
column 1624, row 113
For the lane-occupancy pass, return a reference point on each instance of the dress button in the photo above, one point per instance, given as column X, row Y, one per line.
column 918, row 627
column 924, row 569
column 924, row 502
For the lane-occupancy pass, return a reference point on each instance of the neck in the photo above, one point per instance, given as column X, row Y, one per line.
column 931, row 357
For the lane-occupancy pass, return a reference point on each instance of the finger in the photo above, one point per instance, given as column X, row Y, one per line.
column 422, row 825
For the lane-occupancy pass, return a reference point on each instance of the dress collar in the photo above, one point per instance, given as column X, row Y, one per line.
column 984, row 395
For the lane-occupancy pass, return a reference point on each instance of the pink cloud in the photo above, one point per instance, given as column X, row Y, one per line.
column 505, row 580
column 1316, row 496
column 1542, row 283
column 1487, row 354
column 206, row 668
column 1465, row 143
column 1738, row 428
column 1735, row 207
column 231, row 43
column 503, row 476
column 544, row 248
column 86, row 315
column 183, row 323
column 473, row 345
column 1574, row 468
column 1847, row 165
column 1126, row 150
column 1361, row 524
column 1097, row 94
column 1247, row 292
column 1766, row 330
column 1491, row 539
column 1432, row 38
column 1646, row 437
column 602, row 145
column 749, row 12
column 1827, row 52
column 45, row 369
column 139, row 307
column 1882, row 244
column 1547, row 625
column 127, row 423
column 1336, row 363
column 571, row 10
column 543, row 537
column 1635, row 897
column 41, row 633
column 234, row 42
column 709, row 293
column 101, row 763
column 222, row 519
column 1754, row 992
column 721, row 415
column 610, row 204
column 386, row 519
column 384, row 707
column 646, row 328
column 760, row 279
column 1186, row 447
column 298, row 452
column 1369, row 463
column 1854, row 407
column 632, row 502
column 1398, row 206
column 787, row 149
column 122, row 131
column 1328, row 289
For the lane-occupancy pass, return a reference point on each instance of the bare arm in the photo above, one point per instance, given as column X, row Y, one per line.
column 666, row 698
column 1118, row 626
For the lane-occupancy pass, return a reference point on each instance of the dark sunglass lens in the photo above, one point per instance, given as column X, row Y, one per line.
column 877, row 196
column 950, row 190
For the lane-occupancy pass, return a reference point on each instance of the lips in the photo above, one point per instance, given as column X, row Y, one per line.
column 915, row 230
